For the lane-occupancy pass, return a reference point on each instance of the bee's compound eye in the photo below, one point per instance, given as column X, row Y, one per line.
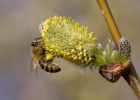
column 34, row 43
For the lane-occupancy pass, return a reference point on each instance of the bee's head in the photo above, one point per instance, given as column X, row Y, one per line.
column 34, row 43
column 37, row 42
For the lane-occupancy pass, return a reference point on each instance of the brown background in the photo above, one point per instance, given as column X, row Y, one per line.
column 19, row 20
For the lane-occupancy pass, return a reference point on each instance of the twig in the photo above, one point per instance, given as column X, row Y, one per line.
column 130, row 74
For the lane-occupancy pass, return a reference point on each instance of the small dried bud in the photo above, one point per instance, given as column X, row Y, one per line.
column 113, row 71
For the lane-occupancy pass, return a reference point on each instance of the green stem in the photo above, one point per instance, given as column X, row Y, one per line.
column 110, row 21
column 130, row 74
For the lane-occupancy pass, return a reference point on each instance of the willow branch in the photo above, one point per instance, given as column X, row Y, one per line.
column 130, row 74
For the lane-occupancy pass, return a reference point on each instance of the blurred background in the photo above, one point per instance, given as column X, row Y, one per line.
column 19, row 20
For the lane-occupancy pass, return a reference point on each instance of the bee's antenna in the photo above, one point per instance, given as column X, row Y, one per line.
column 38, row 38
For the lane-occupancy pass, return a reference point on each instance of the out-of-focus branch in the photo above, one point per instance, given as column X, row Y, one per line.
column 130, row 74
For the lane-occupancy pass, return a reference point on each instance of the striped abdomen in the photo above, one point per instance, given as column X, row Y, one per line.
column 49, row 66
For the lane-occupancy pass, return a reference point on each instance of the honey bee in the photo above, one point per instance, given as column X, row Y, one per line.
column 42, row 58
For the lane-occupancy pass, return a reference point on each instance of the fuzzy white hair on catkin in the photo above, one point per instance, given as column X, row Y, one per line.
column 83, row 69
column 41, row 27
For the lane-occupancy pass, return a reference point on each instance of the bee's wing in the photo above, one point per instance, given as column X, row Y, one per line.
column 34, row 65
column 36, row 73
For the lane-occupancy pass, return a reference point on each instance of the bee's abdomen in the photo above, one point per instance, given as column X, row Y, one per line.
column 49, row 66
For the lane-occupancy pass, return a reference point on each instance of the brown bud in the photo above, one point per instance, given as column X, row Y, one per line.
column 113, row 71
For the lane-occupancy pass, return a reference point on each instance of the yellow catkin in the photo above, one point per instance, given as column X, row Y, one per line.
column 69, row 40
